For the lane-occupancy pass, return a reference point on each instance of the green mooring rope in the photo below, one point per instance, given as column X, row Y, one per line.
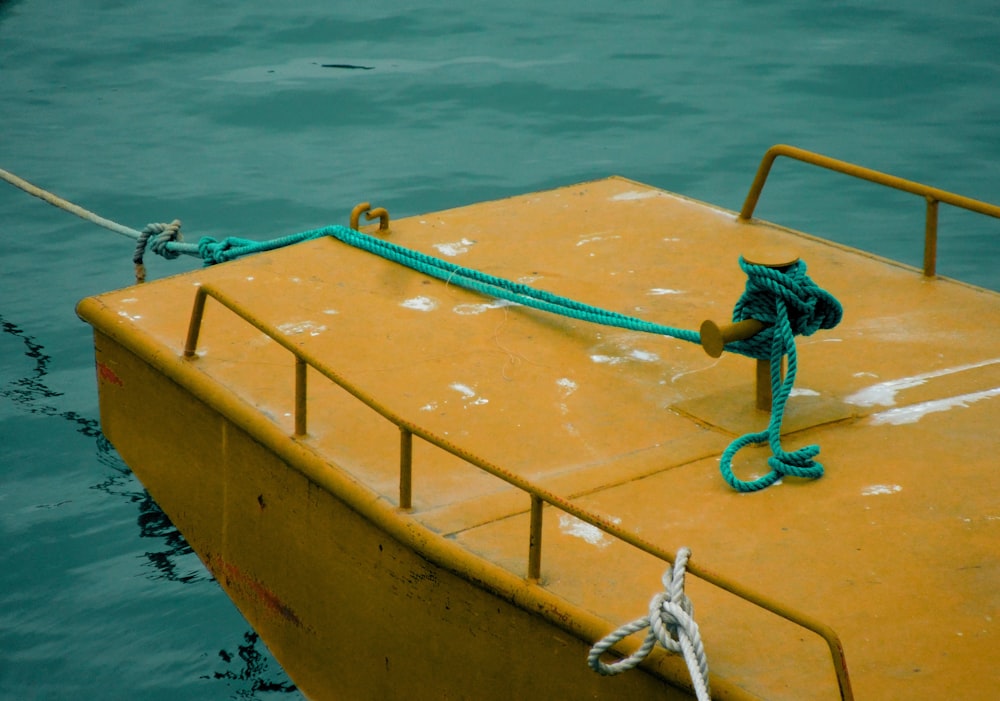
column 787, row 301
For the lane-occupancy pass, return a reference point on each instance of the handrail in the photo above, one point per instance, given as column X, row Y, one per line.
column 539, row 496
column 933, row 195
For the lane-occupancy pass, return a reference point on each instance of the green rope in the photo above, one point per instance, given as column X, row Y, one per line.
column 787, row 301
column 768, row 297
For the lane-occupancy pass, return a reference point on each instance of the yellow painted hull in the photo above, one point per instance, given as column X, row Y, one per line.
column 352, row 599
column 359, row 598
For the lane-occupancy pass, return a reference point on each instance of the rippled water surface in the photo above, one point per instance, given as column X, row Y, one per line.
column 223, row 114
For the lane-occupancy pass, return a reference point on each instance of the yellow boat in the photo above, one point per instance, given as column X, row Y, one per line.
column 370, row 458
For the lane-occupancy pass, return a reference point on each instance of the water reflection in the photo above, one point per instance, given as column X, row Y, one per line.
column 252, row 677
column 169, row 558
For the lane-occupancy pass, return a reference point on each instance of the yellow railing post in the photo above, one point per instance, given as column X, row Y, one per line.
column 930, row 238
column 535, row 539
column 405, row 468
column 933, row 195
column 300, row 396
column 194, row 326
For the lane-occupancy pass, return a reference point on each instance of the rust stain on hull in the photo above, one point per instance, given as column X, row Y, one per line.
column 236, row 577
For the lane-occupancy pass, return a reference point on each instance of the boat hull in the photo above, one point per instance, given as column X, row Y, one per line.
column 350, row 609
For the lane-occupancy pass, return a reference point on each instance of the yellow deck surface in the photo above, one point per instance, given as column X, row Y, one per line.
column 897, row 547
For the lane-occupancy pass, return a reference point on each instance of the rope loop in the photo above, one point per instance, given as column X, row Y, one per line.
column 671, row 623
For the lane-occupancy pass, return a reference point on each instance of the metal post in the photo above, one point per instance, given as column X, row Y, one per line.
column 930, row 238
column 300, row 396
column 535, row 540
column 405, row 468
column 194, row 327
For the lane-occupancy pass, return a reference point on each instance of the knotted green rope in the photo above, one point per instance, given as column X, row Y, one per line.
column 768, row 297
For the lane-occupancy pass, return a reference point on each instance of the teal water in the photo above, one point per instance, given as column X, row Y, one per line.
column 221, row 114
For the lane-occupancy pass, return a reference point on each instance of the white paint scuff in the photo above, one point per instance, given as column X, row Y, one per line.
column 469, row 394
column 421, row 304
column 884, row 393
column 660, row 291
column 595, row 237
column 469, row 308
column 634, row 354
column 644, row 356
column 571, row 525
column 298, row 327
column 567, row 385
column 635, row 195
column 875, row 489
column 914, row 412
column 455, row 247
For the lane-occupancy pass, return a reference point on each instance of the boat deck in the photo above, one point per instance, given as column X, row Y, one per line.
column 895, row 547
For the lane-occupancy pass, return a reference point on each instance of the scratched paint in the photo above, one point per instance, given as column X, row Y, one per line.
column 884, row 393
column 421, row 304
column 914, row 412
column 470, row 309
column 634, row 354
column 454, row 248
column 595, row 237
column 635, row 195
column 567, row 387
column 295, row 328
column 875, row 489
column 572, row 526
column 469, row 394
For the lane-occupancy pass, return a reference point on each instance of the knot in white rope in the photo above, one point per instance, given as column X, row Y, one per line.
column 157, row 236
column 671, row 623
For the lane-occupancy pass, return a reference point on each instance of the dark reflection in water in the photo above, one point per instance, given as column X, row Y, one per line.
column 171, row 559
column 254, row 671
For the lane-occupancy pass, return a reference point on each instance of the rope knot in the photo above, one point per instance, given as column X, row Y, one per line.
column 790, row 304
column 158, row 237
column 771, row 294
column 671, row 623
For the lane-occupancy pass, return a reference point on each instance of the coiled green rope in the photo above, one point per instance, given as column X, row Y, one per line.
column 768, row 297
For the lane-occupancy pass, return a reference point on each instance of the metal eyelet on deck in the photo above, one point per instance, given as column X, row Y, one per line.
column 365, row 208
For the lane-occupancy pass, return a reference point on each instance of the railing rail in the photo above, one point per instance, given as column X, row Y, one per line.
column 932, row 195
column 539, row 496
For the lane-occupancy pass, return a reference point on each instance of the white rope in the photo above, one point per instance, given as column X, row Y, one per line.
column 671, row 623
column 67, row 206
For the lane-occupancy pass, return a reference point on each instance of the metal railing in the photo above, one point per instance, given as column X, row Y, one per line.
column 932, row 195
column 538, row 496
